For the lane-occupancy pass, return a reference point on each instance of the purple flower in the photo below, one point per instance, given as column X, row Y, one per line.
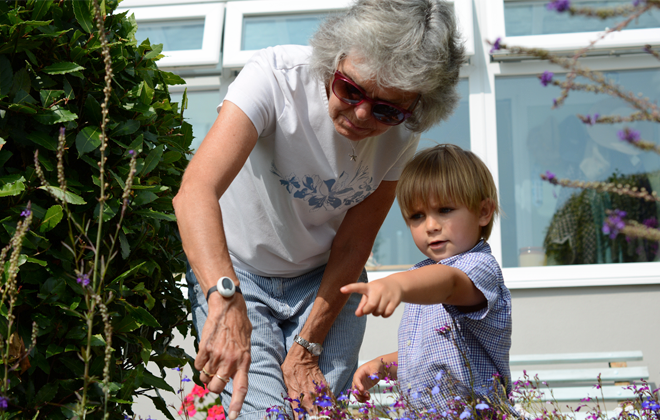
column 614, row 223
column 482, row 406
column 559, row 5
column 590, row 120
column 323, row 401
column 415, row 394
column 496, row 45
column 342, row 397
column 185, row 378
column 438, row 376
column 638, row 2
column 546, row 78
column 131, row 152
column 629, row 135
column 25, row 213
column 83, row 279
column 435, row 390
column 3, row 403
column 62, row 131
column 374, row 376
column 550, row 177
column 465, row 414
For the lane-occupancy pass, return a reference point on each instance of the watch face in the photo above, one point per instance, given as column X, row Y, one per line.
column 226, row 287
column 315, row 349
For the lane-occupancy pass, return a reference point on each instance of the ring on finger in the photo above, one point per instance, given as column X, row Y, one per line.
column 205, row 372
column 223, row 379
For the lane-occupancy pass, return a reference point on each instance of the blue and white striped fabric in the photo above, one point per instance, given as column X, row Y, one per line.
column 476, row 348
column 278, row 308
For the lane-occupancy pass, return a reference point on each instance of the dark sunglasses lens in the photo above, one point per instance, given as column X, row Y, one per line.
column 347, row 92
column 387, row 114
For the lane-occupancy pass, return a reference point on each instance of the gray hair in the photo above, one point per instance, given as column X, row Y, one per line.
column 411, row 45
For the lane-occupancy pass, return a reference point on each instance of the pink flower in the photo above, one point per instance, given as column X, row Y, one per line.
column 199, row 391
column 217, row 412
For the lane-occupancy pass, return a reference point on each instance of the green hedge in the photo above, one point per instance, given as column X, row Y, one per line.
column 52, row 76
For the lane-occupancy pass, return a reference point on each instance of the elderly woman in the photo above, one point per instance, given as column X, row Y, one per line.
column 303, row 160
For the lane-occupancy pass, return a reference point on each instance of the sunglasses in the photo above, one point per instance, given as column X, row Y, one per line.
column 384, row 112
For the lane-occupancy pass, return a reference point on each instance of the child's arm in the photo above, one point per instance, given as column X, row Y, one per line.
column 427, row 285
column 371, row 372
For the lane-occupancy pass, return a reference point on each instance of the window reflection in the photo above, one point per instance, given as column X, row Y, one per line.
column 532, row 18
column 394, row 248
column 266, row 31
column 174, row 35
column 553, row 225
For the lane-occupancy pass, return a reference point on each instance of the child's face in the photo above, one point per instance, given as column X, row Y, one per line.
column 442, row 230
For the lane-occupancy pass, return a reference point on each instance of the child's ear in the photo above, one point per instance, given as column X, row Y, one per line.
column 486, row 212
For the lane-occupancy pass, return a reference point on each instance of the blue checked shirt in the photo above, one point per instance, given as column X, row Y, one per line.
column 476, row 347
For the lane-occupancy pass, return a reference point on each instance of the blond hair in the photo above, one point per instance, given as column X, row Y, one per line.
column 446, row 174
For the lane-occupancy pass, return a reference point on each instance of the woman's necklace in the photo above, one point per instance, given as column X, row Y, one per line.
column 353, row 156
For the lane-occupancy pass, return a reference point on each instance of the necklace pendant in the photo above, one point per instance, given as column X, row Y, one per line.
column 352, row 156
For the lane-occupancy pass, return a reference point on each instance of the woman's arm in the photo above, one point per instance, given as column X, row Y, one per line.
column 348, row 255
column 225, row 343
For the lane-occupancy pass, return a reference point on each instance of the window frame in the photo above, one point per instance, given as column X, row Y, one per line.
column 213, row 15
column 619, row 42
column 234, row 58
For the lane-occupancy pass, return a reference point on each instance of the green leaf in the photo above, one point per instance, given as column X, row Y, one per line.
column 144, row 197
column 40, row 8
column 152, row 159
column 54, row 116
column 156, row 215
column 63, row 67
column 50, row 96
column 125, row 128
column 12, row 188
column 26, row 109
column 156, row 49
column 161, row 405
column 142, row 316
column 97, row 340
column 145, row 352
column 83, row 12
column 6, row 76
column 67, row 196
column 47, row 392
column 88, row 139
column 171, row 156
column 36, row 261
column 172, row 79
column 22, row 97
column 44, row 140
column 53, row 217
column 128, row 273
column 21, row 81
column 124, row 246
column 155, row 381
column 53, row 349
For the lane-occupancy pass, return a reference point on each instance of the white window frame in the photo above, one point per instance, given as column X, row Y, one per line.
column 212, row 13
column 630, row 39
column 234, row 58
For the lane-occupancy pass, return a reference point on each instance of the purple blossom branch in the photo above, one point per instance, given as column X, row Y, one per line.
column 649, row 111
column 608, row 187
column 615, row 224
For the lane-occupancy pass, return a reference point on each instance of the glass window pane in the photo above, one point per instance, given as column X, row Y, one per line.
column 533, row 18
column 394, row 248
column 174, row 35
column 547, row 224
column 266, row 31
column 201, row 112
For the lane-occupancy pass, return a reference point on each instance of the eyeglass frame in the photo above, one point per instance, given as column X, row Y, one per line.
column 407, row 113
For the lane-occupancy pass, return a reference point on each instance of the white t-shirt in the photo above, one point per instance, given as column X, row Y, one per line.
column 283, row 210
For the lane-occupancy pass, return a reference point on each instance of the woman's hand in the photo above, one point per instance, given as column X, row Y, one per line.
column 224, row 350
column 379, row 297
column 301, row 373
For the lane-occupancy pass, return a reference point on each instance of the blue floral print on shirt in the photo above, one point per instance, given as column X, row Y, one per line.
column 328, row 194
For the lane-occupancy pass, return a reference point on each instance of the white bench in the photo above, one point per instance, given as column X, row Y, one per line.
column 574, row 384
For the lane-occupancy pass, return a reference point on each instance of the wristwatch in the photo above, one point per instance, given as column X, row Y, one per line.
column 314, row 348
column 225, row 287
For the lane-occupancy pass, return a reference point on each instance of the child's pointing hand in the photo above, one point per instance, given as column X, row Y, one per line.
column 379, row 297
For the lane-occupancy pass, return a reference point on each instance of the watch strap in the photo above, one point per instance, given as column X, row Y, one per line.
column 215, row 289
